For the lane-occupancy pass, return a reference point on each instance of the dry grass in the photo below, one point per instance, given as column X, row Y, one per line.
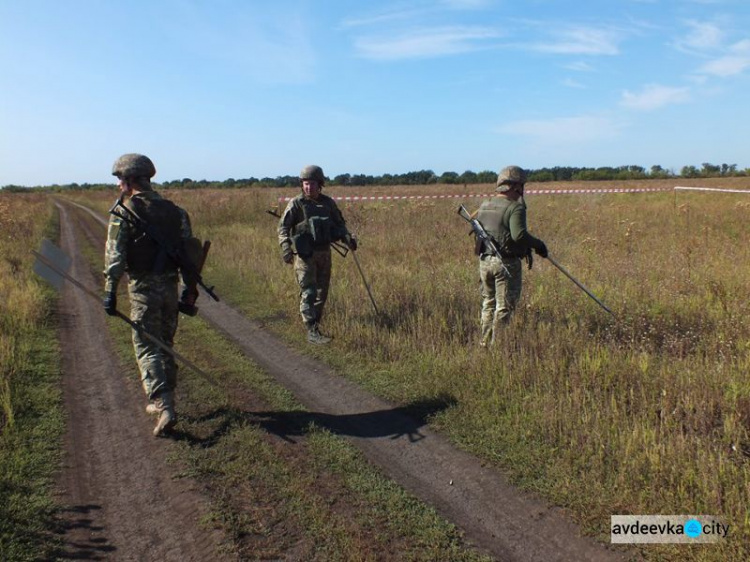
column 646, row 414
column 22, row 307
column 31, row 422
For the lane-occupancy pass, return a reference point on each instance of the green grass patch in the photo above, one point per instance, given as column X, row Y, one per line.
column 30, row 451
column 32, row 421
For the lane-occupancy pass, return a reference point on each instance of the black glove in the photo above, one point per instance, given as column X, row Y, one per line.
column 186, row 308
column 287, row 255
column 187, row 302
column 542, row 250
column 351, row 241
column 110, row 303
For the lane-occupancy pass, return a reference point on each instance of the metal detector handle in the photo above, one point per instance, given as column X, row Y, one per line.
column 341, row 249
column 464, row 213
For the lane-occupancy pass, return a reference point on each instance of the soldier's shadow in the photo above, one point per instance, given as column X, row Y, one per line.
column 394, row 423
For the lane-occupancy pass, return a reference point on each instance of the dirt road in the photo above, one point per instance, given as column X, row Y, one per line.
column 495, row 516
column 120, row 500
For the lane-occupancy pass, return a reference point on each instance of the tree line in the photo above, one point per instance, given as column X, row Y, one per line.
column 427, row 177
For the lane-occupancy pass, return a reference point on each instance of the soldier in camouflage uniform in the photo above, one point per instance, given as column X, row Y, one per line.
column 153, row 279
column 307, row 227
column 504, row 218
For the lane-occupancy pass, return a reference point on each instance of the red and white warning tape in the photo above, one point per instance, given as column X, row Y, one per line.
column 680, row 188
column 528, row 192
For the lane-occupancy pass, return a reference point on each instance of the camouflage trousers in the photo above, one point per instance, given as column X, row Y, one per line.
column 500, row 293
column 314, row 278
column 153, row 305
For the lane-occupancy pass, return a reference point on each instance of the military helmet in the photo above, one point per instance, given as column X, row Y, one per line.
column 508, row 175
column 313, row 172
column 133, row 166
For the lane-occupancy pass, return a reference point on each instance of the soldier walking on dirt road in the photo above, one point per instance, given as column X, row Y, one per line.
column 153, row 278
column 308, row 226
column 504, row 218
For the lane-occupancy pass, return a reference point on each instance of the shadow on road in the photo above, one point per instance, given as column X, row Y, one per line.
column 395, row 423
column 81, row 537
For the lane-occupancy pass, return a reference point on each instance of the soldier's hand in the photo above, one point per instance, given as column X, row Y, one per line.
column 351, row 241
column 187, row 308
column 187, row 301
column 110, row 303
column 287, row 256
column 542, row 250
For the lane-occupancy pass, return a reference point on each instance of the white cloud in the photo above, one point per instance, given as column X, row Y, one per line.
column 701, row 37
column 734, row 62
column 381, row 18
column 654, row 96
column 581, row 40
column 698, row 79
column 579, row 66
column 566, row 130
column 413, row 13
column 424, row 43
column 570, row 83
column 465, row 4
column 726, row 66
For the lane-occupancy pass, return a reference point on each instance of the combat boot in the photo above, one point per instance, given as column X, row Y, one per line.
column 314, row 335
column 155, row 407
column 167, row 416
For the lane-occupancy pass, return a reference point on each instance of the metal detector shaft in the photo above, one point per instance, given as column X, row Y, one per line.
column 369, row 293
column 119, row 314
column 579, row 284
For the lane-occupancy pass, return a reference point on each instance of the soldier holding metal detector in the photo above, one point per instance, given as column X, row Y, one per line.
column 506, row 240
column 308, row 226
column 151, row 239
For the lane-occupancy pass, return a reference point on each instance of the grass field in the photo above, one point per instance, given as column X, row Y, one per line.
column 30, row 414
column 647, row 413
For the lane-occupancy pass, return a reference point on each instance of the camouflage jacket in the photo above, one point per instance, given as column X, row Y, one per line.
column 123, row 238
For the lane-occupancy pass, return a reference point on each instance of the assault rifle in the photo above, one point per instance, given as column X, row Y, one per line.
column 177, row 255
column 482, row 235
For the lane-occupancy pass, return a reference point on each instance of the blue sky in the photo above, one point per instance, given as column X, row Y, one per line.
column 229, row 88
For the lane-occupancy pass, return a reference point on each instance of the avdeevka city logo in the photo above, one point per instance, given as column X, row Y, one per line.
column 693, row 528
column 685, row 529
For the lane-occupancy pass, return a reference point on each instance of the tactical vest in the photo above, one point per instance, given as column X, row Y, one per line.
column 494, row 214
column 318, row 227
column 144, row 254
